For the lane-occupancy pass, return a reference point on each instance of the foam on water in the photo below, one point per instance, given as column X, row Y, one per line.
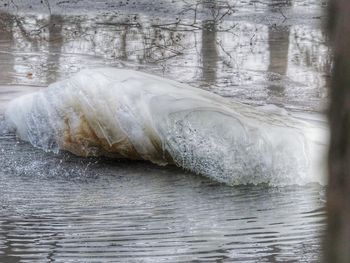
column 128, row 114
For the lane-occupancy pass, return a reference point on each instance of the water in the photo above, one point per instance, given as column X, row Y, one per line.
column 67, row 209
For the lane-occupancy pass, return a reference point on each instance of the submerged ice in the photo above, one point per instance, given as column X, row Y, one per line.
column 128, row 114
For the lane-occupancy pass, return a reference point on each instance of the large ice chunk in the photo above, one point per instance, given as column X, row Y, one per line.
column 129, row 114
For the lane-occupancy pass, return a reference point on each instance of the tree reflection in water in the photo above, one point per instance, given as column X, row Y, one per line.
column 206, row 43
column 255, row 51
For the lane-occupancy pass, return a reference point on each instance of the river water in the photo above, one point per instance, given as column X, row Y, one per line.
column 61, row 208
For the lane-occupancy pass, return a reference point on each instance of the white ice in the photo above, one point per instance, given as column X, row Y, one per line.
column 129, row 114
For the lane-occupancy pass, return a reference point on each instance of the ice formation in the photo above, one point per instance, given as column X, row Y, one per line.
column 129, row 114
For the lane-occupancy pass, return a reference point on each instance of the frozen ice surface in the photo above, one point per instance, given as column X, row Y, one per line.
column 129, row 114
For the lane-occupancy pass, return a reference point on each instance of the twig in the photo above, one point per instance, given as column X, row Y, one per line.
column 285, row 18
column 47, row 5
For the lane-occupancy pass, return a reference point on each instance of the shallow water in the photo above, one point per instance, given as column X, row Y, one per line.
column 66, row 209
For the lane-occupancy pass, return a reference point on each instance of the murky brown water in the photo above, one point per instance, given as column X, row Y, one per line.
column 66, row 209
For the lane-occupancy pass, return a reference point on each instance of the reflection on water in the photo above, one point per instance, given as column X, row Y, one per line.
column 282, row 60
column 65, row 209
column 279, row 47
column 55, row 43
column 209, row 52
column 6, row 45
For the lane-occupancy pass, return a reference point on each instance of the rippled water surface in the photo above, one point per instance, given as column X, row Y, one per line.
column 67, row 209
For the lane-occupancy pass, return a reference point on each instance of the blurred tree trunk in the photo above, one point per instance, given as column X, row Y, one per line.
column 337, row 241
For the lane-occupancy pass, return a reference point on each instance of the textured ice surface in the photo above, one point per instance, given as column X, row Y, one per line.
column 129, row 114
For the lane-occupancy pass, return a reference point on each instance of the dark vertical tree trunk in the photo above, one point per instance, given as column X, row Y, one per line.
column 6, row 43
column 55, row 46
column 123, row 43
column 209, row 51
column 279, row 48
column 337, row 242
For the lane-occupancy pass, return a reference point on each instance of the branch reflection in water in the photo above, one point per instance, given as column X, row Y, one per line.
column 63, row 208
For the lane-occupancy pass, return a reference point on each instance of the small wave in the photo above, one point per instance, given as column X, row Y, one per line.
column 127, row 114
